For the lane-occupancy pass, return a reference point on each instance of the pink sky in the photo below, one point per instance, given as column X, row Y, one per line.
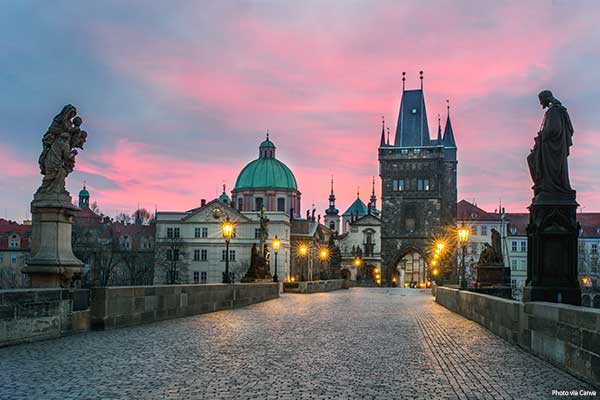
column 177, row 99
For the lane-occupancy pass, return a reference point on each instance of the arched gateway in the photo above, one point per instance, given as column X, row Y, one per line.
column 409, row 269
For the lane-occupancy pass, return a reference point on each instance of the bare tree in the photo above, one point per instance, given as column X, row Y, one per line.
column 171, row 260
column 139, row 265
column 99, row 249
column 95, row 208
column 142, row 215
column 123, row 218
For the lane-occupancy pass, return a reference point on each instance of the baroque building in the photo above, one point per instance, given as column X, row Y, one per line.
column 419, row 189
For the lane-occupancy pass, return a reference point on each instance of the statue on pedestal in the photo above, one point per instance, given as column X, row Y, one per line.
column 259, row 259
column 52, row 262
column 553, row 229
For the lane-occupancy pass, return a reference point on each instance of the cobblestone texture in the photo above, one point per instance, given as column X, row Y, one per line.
column 354, row 344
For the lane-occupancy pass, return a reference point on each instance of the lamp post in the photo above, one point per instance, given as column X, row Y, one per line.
column 463, row 238
column 303, row 251
column 276, row 243
column 227, row 228
column 323, row 256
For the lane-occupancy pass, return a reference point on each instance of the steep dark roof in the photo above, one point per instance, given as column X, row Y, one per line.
column 448, row 139
column 412, row 129
column 517, row 224
column 590, row 224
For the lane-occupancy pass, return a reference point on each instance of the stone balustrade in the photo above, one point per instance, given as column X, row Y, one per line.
column 313, row 286
column 116, row 307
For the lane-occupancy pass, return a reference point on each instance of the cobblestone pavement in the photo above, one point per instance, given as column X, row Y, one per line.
column 354, row 344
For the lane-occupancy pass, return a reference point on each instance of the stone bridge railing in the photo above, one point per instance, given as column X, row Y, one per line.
column 313, row 286
column 36, row 314
column 567, row 336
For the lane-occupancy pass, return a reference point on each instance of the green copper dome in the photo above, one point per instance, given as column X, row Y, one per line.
column 84, row 193
column 266, row 172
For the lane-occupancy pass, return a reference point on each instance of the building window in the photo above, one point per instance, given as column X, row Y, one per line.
column 196, row 277
column 203, row 277
column 404, row 151
column 197, row 232
column 483, row 230
column 176, row 232
column 258, row 203
column 395, row 185
column 204, row 232
column 523, row 265
column 231, row 255
column 420, row 184
column 513, row 264
column 416, row 151
column 197, row 255
column 426, row 184
column 513, row 245
column 281, row 204
column 594, row 248
column 203, row 255
column 240, row 203
column 13, row 258
column 223, row 255
column 332, row 225
column 14, row 242
column 257, row 233
column 169, row 233
column 523, row 246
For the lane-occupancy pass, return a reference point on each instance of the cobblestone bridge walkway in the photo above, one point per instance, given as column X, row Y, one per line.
column 361, row 343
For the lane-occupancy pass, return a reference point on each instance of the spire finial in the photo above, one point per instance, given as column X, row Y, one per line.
column 331, row 184
column 358, row 192
column 403, row 80
column 388, row 135
column 267, row 134
column 223, row 188
column 83, row 184
column 373, row 190
column 421, row 78
column 448, row 105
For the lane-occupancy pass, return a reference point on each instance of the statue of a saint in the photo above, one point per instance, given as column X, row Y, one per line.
column 548, row 158
column 60, row 142
column 497, row 246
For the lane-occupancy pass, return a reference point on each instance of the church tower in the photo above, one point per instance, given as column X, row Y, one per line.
column 84, row 198
column 332, row 218
column 418, row 189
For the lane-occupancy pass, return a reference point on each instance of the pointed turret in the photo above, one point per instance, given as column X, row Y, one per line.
column 382, row 142
column 448, row 140
column 331, row 210
column 439, row 135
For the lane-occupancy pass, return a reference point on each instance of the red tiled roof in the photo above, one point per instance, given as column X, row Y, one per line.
column 590, row 224
column 466, row 211
column 7, row 228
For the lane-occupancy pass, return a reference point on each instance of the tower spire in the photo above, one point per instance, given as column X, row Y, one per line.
column 403, row 80
column 439, row 136
column 382, row 142
column 448, row 140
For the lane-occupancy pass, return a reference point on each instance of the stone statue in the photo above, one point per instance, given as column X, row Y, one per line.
column 60, row 142
column 497, row 246
column 548, row 158
column 263, row 230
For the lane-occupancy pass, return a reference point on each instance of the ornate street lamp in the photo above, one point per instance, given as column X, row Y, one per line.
column 463, row 238
column 323, row 256
column 227, row 228
column 276, row 243
column 303, row 252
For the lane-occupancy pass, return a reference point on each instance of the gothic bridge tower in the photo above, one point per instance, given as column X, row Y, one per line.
column 419, row 189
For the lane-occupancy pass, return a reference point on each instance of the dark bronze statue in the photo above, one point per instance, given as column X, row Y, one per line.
column 548, row 158
column 492, row 254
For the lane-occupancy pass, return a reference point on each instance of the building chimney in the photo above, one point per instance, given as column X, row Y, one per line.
column 202, row 202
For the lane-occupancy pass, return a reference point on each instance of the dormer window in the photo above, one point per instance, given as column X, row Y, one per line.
column 414, row 111
column 14, row 242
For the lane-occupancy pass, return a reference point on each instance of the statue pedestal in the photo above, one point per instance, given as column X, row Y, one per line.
column 552, row 252
column 52, row 262
column 492, row 275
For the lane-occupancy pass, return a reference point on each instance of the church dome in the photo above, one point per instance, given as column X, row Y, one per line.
column 84, row 193
column 357, row 208
column 266, row 172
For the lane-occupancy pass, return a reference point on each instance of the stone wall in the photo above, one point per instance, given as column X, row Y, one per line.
column 116, row 307
column 28, row 315
column 567, row 336
column 313, row 286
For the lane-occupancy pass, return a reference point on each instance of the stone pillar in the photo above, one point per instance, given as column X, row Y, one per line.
column 52, row 262
column 552, row 253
